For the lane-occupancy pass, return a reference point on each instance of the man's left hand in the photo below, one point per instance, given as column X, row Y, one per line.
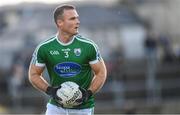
column 86, row 94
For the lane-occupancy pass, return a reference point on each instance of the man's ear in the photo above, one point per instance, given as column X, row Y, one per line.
column 59, row 23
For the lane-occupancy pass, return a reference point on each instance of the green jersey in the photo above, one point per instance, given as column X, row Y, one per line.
column 68, row 62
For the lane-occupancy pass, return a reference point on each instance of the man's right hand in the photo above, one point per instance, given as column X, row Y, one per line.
column 51, row 91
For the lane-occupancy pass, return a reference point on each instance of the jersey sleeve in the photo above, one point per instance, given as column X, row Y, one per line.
column 94, row 54
column 38, row 57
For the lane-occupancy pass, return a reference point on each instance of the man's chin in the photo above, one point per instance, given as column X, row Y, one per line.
column 75, row 33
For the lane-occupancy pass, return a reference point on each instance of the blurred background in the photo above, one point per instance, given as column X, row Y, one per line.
column 138, row 39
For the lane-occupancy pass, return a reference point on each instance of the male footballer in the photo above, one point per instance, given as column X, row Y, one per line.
column 68, row 57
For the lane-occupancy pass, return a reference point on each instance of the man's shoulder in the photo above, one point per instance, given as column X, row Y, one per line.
column 47, row 41
column 84, row 39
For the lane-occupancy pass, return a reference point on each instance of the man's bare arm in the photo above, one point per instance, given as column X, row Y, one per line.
column 99, row 77
column 36, row 78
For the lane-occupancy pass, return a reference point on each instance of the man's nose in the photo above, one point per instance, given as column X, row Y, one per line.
column 78, row 21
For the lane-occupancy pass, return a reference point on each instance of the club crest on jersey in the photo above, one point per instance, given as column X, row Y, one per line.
column 77, row 51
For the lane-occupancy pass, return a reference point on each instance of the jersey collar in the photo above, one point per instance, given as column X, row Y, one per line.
column 64, row 44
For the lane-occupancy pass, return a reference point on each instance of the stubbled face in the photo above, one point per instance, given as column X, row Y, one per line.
column 70, row 23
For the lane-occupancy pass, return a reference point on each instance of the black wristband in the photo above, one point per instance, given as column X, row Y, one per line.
column 90, row 93
column 49, row 90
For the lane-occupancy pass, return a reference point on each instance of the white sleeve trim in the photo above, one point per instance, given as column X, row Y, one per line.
column 94, row 61
column 40, row 64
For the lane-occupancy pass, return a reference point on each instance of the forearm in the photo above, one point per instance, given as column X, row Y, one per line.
column 99, row 77
column 39, row 82
column 97, row 83
column 36, row 78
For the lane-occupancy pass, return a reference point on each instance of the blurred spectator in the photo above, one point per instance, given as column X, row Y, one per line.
column 150, row 42
column 150, row 45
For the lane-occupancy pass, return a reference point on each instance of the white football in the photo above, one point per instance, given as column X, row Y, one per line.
column 69, row 93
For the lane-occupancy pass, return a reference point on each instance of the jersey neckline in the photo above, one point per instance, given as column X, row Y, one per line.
column 64, row 44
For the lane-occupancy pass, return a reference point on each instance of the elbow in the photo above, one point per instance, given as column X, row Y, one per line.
column 30, row 76
column 34, row 72
column 30, row 73
column 104, row 73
